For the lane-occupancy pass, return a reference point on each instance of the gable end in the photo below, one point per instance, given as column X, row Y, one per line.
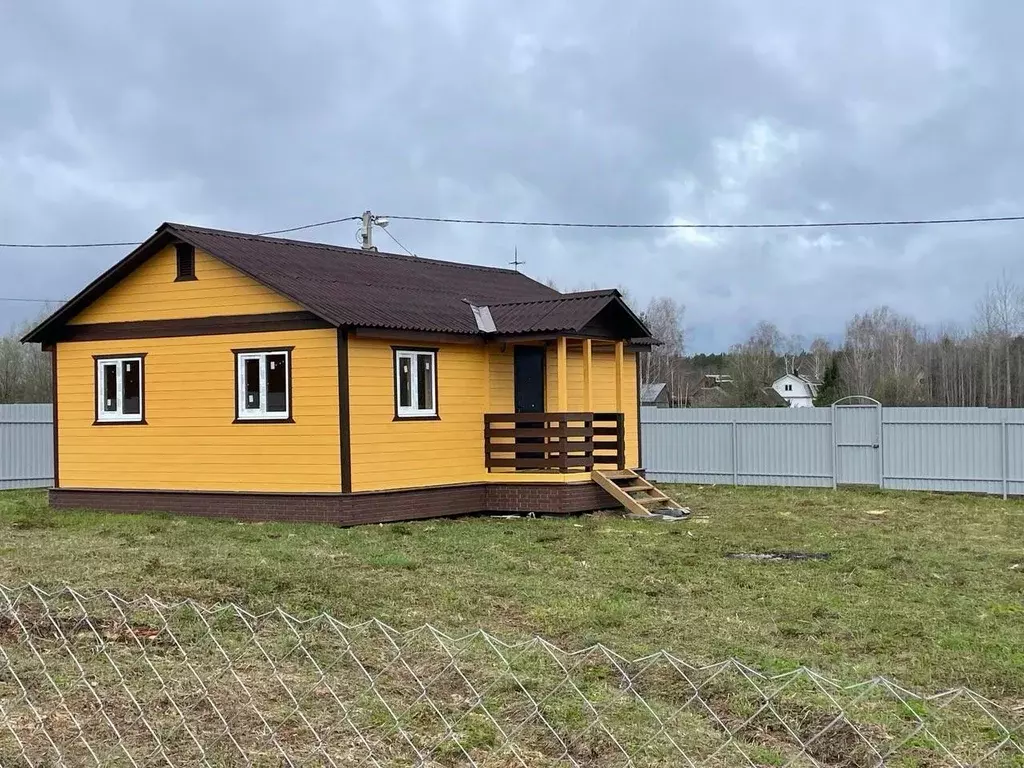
column 184, row 263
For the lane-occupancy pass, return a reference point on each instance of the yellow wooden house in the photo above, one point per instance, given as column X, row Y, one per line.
column 219, row 373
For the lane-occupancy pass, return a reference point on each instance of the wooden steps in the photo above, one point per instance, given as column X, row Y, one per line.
column 637, row 496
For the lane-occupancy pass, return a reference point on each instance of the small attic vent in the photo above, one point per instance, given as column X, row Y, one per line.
column 186, row 258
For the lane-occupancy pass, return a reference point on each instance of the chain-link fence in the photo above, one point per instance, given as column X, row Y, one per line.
column 100, row 680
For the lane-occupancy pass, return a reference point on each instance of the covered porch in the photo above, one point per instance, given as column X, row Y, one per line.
column 573, row 406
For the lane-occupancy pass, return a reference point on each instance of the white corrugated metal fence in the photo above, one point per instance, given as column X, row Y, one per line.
column 978, row 450
column 26, row 446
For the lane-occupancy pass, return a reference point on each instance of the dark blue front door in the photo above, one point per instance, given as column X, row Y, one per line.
column 529, row 379
column 529, row 393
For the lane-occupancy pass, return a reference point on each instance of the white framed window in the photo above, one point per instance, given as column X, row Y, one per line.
column 789, row 387
column 415, row 383
column 263, row 384
column 119, row 389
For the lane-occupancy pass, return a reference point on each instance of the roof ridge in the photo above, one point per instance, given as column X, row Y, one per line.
column 561, row 297
column 344, row 248
column 593, row 292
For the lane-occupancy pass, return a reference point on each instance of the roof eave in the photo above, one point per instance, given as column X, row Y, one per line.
column 616, row 300
column 45, row 332
column 40, row 334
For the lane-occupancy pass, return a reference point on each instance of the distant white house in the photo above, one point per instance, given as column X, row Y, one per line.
column 796, row 390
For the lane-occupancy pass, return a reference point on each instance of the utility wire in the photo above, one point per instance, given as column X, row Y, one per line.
column 103, row 245
column 311, row 226
column 397, row 242
column 588, row 225
column 791, row 225
column 64, row 245
column 133, row 243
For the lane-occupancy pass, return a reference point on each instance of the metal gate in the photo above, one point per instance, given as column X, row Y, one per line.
column 857, row 441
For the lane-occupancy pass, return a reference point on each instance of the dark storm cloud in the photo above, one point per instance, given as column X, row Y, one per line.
column 262, row 115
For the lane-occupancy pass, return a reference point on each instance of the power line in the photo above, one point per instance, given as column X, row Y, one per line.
column 397, row 241
column 134, row 243
column 587, row 225
column 681, row 225
column 64, row 245
column 102, row 245
column 309, row 226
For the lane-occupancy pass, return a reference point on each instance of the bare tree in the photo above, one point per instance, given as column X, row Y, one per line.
column 820, row 354
column 664, row 318
column 1000, row 320
column 793, row 348
column 755, row 364
column 881, row 356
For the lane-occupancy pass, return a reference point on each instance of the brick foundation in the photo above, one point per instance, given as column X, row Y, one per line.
column 347, row 508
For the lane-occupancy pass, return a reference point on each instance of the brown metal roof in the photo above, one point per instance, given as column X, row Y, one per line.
column 568, row 311
column 355, row 288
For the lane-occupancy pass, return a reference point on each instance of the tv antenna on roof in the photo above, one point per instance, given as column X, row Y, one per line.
column 516, row 263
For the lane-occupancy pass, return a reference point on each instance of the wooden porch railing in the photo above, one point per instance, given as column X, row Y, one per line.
column 554, row 442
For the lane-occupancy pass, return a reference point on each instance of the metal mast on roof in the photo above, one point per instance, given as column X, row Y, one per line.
column 366, row 230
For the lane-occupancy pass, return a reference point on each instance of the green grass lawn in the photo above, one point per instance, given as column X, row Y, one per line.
column 927, row 589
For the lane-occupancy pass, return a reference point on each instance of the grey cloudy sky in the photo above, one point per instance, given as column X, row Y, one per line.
column 255, row 115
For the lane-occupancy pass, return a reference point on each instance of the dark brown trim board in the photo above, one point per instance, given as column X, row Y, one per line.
column 194, row 326
column 419, row 337
column 348, row 508
column 394, row 382
column 96, row 360
column 56, row 420
column 526, row 338
column 344, row 413
column 290, row 418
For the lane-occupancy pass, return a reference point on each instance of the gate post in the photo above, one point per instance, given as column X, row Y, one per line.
column 835, row 448
column 1006, row 457
column 735, row 457
column 881, row 446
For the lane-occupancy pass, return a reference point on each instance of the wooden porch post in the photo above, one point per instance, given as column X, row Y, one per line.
column 619, row 375
column 562, row 376
column 487, row 377
column 588, row 377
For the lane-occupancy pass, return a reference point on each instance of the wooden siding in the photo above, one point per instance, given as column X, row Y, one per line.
column 151, row 293
column 604, row 394
column 189, row 441
column 603, row 387
column 389, row 453
column 502, row 382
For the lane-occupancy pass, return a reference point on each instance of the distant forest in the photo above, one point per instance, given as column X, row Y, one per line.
column 884, row 354
column 24, row 369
